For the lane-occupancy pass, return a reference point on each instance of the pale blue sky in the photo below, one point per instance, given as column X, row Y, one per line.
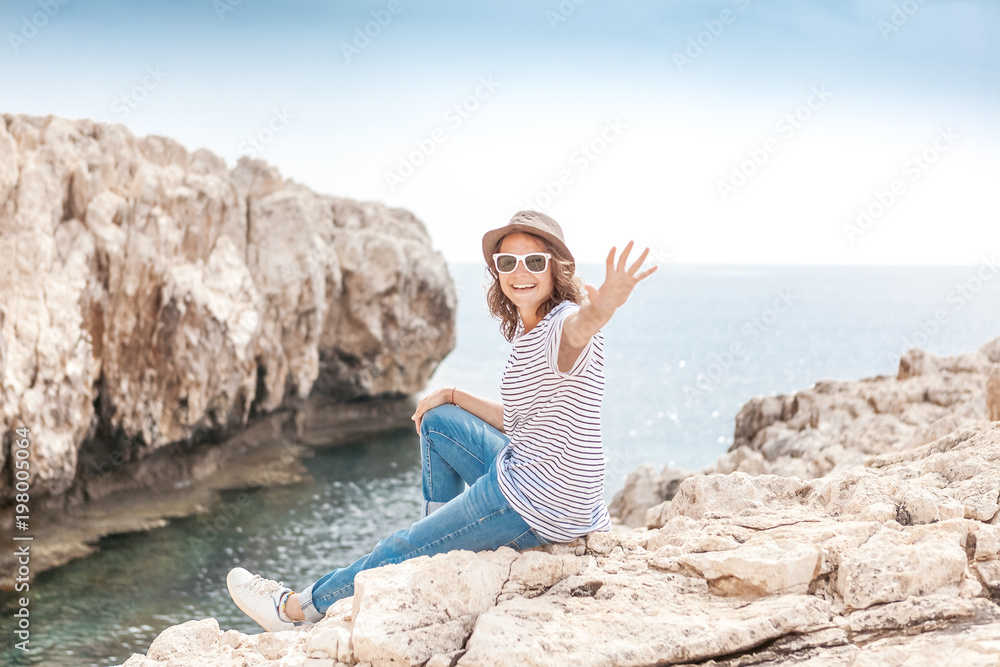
column 672, row 140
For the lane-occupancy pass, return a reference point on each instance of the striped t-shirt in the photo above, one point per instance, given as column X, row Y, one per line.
column 552, row 470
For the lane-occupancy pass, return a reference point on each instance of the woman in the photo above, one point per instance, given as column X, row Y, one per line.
column 534, row 463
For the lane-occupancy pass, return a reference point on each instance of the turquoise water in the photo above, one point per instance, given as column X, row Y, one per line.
column 674, row 383
column 100, row 609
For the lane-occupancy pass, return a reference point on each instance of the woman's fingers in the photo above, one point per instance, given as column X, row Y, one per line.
column 624, row 257
column 645, row 273
column 431, row 400
column 418, row 414
column 638, row 262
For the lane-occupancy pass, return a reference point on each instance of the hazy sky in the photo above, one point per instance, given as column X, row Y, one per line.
column 731, row 131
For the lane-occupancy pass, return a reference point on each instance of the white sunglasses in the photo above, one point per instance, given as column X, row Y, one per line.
column 536, row 262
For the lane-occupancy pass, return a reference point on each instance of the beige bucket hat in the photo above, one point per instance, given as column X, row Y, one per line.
column 529, row 222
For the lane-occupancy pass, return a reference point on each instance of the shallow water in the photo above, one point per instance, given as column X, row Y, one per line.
column 101, row 609
column 673, row 388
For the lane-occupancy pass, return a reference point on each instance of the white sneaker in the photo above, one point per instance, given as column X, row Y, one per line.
column 258, row 598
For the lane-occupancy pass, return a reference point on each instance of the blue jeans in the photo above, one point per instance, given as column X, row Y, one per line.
column 457, row 448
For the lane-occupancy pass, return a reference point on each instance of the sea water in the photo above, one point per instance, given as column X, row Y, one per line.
column 681, row 357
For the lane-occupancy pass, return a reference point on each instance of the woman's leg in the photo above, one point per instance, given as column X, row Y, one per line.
column 479, row 519
column 456, row 447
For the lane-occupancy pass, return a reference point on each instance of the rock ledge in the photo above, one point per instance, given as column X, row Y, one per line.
column 891, row 561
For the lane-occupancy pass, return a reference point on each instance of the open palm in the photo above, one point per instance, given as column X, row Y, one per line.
column 619, row 282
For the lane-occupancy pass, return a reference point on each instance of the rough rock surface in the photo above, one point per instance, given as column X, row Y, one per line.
column 150, row 295
column 993, row 394
column 895, row 561
column 838, row 424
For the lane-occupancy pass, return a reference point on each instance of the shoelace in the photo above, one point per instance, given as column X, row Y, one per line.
column 261, row 585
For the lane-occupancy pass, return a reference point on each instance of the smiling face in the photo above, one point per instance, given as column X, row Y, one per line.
column 525, row 289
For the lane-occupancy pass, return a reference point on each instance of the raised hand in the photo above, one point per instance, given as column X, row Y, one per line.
column 619, row 282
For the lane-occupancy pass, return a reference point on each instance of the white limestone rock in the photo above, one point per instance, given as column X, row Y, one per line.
column 758, row 568
column 407, row 613
column 187, row 640
column 894, row 565
column 662, row 622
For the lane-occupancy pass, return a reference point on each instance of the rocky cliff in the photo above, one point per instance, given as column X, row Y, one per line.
column 885, row 560
column 150, row 296
column 838, row 424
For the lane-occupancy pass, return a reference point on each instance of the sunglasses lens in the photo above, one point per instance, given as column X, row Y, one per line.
column 506, row 263
column 535, row 263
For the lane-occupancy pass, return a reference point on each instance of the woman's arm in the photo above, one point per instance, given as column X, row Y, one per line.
column 489, row 411
column 579, row 327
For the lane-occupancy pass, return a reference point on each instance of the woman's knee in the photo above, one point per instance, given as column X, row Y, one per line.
column 395, row 547
column 434, row 419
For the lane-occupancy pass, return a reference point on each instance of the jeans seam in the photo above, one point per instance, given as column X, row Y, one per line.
column 457, row 444
column 334, row 594
column 514, row 541
column 427, row 466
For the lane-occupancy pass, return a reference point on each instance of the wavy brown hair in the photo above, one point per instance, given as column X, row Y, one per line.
column 566, row 286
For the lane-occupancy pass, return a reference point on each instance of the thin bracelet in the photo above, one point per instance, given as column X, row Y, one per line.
column 453, row 395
